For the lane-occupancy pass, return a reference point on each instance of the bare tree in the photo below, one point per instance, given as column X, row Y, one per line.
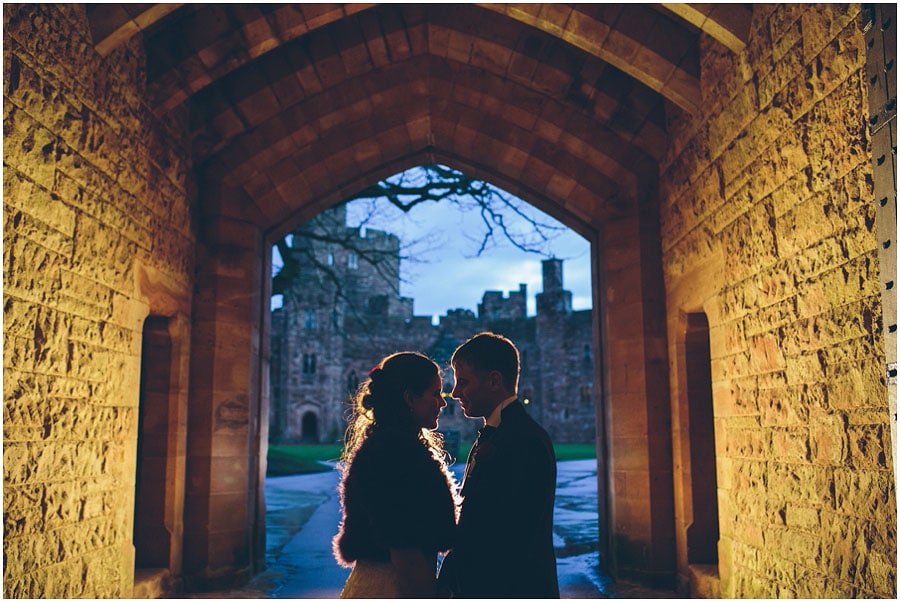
column 502, row 215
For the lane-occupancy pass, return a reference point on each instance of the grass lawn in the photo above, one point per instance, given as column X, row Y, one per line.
column 300, row 459
column 304, row 459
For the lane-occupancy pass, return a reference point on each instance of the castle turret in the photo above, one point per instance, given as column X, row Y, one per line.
column 554, row 299
column 553, row 275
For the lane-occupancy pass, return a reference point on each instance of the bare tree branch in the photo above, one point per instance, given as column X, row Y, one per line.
column 501, row 214
column 434, row 183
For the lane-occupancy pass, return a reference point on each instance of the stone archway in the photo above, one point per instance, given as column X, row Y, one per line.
column 625, row 331
column 431, row 107
column 163, row 148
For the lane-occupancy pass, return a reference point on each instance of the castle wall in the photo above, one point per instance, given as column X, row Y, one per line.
column 566, row 371
column 373, row 321
column 494, row 306
column 768, row 229
column 97, row 236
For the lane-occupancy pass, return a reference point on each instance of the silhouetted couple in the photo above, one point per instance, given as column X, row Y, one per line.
column 400, row 503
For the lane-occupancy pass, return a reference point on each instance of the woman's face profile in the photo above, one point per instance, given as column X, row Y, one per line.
column 426, row 408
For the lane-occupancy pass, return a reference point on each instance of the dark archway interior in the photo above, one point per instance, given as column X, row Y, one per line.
column 152, row 540
column 703, row 533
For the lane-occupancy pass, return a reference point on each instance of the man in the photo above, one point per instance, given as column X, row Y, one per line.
column 504, row 541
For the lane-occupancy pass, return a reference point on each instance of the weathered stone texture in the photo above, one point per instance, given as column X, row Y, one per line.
column 93, row 185
column 773, row 185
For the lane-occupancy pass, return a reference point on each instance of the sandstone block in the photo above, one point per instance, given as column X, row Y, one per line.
column 783, row 408
column 765, row 354
column 781, row 22
column 835, row 146
column 861, row 494
column 733, row 120
column 828, row 435
column 822, row 27
column 866, row 446
column 800, row 517
column 745, row 443
column 794, row 191
column 806, row 368
column 791, row 445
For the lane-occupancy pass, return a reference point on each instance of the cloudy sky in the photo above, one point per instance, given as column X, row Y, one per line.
column 447, row 272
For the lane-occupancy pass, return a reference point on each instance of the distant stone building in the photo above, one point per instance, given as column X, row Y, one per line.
column 342, row 313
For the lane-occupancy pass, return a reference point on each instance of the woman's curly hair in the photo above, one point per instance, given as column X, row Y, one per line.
column 379, row 402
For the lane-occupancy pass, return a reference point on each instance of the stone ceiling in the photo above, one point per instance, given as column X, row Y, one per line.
column 301, row 105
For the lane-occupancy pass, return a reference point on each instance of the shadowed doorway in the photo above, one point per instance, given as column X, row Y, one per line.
column 309, row 432
column 703, row 533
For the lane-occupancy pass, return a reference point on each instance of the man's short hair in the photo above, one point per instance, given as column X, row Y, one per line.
column 486, row 352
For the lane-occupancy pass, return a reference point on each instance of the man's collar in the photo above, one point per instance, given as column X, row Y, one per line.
column 494, row 418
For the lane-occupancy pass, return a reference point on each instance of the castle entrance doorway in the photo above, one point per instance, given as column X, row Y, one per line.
column 310, row 428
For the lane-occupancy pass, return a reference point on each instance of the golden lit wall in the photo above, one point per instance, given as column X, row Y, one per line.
column 96, row 236
column 768, row 228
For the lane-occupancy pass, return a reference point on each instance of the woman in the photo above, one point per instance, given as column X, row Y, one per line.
column 398, row 498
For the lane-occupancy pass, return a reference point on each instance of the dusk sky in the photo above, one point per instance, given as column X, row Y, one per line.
column 447, row 274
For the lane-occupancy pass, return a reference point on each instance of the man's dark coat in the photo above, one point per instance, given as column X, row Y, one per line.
column 505, row 537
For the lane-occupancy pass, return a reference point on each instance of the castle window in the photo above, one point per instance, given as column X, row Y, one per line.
column 309, row 319
column 309, row 363
column 352, row 261
column 331, row 259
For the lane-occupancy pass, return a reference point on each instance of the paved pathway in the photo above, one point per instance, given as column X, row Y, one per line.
column 302, row 515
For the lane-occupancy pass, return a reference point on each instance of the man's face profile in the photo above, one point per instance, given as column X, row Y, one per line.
column 472, row 389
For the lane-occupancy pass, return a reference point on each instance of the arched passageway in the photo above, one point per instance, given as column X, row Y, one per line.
column 716, row 156
column 533, row 123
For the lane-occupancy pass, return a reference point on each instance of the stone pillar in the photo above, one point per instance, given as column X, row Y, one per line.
column 224, row 417
column 636, row 402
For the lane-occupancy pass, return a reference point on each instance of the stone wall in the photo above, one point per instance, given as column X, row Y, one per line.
column 768, row 228
column 97, row 236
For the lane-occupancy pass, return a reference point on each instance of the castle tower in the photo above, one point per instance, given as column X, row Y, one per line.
column 553, row 276
column 554, row 300
column 565, row 363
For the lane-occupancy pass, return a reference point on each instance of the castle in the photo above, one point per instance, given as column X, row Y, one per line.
column 342, row 312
